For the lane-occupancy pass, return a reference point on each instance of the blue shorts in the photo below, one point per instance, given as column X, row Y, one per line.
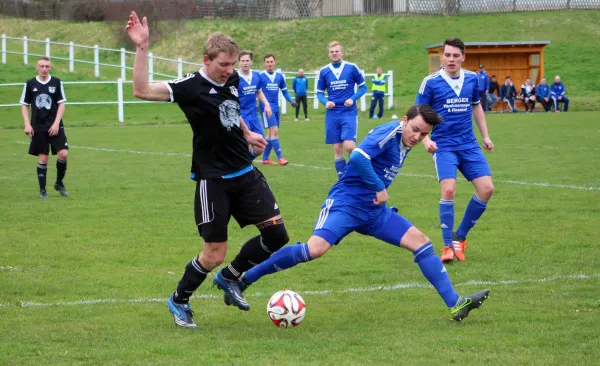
column 270, row 122
column 471, row 163
column 341, row 126
column 254, row 125
column 338, row 219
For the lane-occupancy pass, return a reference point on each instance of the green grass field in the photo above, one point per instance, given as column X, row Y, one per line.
column 84, row 280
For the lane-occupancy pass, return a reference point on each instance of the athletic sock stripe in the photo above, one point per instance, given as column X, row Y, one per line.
column 446, row 202
column 233, row 270
column 479, row 201
column 262, row 245
column 197, row 266
column 422, row 249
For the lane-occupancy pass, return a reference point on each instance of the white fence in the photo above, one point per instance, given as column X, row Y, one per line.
column 122, row 55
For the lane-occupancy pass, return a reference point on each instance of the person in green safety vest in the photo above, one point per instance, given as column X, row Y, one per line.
column 378, row 90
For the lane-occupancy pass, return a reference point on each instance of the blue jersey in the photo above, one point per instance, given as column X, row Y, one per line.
column 247, row 89
column 339, row 83
column 271, row 84
column 453, row 99
column 384, row 147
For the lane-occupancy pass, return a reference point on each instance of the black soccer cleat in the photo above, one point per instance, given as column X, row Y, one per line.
column 43, row 194
column 467, row 303
column 242, row 284
column 61, row 189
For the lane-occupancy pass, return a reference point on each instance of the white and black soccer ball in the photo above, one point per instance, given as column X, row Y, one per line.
column 286, row 309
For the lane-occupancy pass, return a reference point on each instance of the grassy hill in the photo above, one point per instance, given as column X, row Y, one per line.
column 396, row 43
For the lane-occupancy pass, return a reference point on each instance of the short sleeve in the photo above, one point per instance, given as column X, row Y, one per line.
column 282, row 83
column 321, row 84
column 183, row 90
column 359, row 79
column 26, row 95
column 60, row 94
column 425, row 95
column 475, row 99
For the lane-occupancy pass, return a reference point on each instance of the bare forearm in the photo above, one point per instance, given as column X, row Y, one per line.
column 25, row 113
column 59, row 113
column 261, row 98
column 140, row 71
column 480, row 121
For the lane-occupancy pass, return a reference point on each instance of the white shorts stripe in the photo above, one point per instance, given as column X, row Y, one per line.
column 436, row 167
column 324, row 213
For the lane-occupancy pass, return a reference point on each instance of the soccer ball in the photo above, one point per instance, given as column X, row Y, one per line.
column 286, row 309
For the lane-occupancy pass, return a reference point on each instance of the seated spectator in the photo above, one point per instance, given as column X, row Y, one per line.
column 557, row 92
column 528, row 95
column 508, row 94
column 542, row 95
column 492, row 99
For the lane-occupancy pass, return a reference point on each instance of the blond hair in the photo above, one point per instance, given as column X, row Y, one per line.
column 335, row 43
column 244, row 53
column 220, row 42
column 44, row 58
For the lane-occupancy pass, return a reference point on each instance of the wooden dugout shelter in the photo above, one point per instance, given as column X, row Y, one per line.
column 518, row 60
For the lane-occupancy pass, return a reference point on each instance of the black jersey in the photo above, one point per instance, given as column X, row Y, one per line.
column 213, row 111
column 44, row 98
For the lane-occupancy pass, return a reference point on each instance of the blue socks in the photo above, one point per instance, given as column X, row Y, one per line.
column 432, row 268
column 474, row 210
column 447, row 220
column 267, row 151
column 277, row 147
column 284, row 258
column 340, row 164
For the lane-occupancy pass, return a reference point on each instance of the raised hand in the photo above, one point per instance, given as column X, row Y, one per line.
column 138, row 31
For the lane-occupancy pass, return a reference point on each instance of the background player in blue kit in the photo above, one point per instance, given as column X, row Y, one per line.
column 249, row 89
column 453, row 94
column 273, row 81
column 341, row 117
column 357, row 203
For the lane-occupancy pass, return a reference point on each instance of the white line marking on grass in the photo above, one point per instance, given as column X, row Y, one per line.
column 399, row 286
column 533, row 184
column 8, row 177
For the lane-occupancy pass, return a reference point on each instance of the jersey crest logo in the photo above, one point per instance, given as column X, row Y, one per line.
column 234, row 90
column 229, row 112
column 43, row 101
column 51, row 89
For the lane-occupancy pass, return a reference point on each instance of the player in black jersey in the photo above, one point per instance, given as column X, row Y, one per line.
column 45, row 128
column 227, row 184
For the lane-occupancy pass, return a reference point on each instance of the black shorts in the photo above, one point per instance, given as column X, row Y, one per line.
column 42, row 141
column 248, row 198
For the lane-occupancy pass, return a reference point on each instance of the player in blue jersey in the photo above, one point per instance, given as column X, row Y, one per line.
column 452, row 92
column 341, row 117
column 357, row 203
column 272, row 82
column 249, row 89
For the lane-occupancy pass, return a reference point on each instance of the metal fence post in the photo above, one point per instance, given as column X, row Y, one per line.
column 4, row 48
column 96, row 61
column 179, row 67
column 71, row 57
column 123, row 70
column 25, row 50
column 390, row 89
column 47, row 47
column 150, row 67
column 120, row 100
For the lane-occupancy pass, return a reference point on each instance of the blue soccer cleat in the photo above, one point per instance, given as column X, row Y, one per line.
column 242, row 284
column 182, row 314
column 231, row 288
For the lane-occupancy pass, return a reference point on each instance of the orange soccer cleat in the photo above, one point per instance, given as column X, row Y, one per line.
column 268, row 162
column 282, row 161
column 447, row 254
column 460, row 246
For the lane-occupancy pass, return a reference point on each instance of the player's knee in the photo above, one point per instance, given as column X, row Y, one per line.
column 210, row 258
column 317, row 247
column 487, row 191
column 349, row 147
column 62, row 155
column 448, row 192
column 275, row 236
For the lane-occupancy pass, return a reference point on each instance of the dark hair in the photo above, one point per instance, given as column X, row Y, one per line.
column 454, row 42
column 493, row 76
column 269, row 55
column 506, row 78
column 244, row 53
column 425, row 111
